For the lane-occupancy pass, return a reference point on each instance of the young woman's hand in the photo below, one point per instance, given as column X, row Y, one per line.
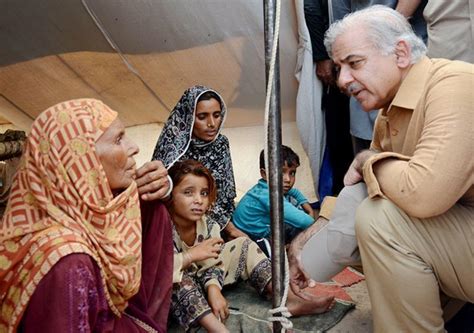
column 210, row 248
column 217, row 302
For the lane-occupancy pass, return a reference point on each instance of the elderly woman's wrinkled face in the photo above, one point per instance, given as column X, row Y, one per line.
column 116, row 151
column 207, row 120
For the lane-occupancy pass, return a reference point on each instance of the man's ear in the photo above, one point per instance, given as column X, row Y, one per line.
column 403, row 54
column 263, row 174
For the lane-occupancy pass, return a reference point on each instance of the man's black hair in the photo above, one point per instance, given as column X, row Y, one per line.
column 287, row 155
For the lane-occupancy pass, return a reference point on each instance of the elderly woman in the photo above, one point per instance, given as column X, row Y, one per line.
column 192, row 131
column 74, row 255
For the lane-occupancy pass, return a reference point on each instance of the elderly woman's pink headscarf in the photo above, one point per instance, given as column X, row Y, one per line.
column 61, row 203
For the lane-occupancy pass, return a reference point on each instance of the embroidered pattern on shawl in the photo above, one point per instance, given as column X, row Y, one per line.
column 176, row 143
column 61, row 203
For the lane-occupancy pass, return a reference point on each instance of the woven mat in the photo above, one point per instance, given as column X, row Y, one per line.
column 249, row 311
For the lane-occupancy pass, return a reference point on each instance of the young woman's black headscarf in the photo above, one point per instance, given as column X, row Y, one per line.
column 176, row 143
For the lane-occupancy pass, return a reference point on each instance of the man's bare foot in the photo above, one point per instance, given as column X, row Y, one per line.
column 298, row 306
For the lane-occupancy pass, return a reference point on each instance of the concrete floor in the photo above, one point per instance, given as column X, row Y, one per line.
column 358, row 320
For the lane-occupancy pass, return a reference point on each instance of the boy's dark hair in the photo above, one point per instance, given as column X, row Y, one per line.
column 287, row 155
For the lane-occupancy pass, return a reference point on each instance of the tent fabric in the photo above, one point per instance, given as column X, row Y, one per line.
column 53, row 50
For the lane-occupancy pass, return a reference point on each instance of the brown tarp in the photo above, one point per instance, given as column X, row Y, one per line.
column 139, row 56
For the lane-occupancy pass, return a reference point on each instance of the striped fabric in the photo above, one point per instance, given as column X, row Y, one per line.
column 61, row 203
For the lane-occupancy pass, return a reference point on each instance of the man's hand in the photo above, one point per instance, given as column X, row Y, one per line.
column 217, row 302
column 152, row 181
column 324, row 72
column 232, row 232
column 407, row 7
column 210, row 248
column 299, row 279
column 354, row 173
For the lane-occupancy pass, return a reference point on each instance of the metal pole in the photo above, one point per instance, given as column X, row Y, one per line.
column 274, row 176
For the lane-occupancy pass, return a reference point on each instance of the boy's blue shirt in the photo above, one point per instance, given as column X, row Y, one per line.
column 252, row 214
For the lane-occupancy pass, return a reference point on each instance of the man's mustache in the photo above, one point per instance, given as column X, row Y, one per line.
column 354, row 87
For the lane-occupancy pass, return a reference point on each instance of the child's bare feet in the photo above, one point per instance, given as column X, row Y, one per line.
column 212, row 324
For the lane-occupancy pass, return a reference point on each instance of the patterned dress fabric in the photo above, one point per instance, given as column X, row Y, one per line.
column 176, row 144
column 61, row 203
column 240, row 259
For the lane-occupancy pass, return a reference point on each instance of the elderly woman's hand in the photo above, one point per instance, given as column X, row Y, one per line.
column 153, row 181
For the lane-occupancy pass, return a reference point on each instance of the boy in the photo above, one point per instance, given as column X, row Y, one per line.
column 252, row 214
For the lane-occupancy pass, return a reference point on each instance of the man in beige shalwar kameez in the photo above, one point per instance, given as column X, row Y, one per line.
column 415, row 229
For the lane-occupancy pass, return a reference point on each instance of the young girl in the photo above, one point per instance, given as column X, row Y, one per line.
column 203, row 264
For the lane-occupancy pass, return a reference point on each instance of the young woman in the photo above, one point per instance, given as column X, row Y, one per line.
column 72, row 242
column 203, row 264
column 192, row 131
